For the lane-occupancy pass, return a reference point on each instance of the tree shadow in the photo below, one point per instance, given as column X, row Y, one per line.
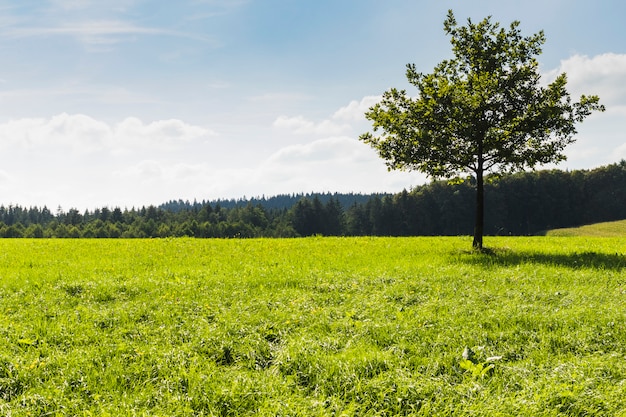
column 576, row 260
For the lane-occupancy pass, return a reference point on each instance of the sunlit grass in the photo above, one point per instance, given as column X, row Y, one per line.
column 607, row 229
column 319, row 326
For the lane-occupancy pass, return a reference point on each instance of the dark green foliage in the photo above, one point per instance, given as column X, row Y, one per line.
column 278, row 202
column 311, row 217
column 518, row 204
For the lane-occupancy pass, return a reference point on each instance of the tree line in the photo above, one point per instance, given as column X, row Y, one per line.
column 525, row 203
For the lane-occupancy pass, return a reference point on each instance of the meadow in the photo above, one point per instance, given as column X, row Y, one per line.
column 605, row 229
column 313, row 327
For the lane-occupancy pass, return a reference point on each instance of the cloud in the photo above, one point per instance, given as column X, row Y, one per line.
column 600, row 139
column 303, row 126
column 355, row 111
column 163, row 180
column 84, row 29
column 149, row 170
column 76, row 132
column 83, row 134
column 334, row 160
column 79, row 161
column 343, row 121
column 165, row 134
column 329, row 150
column 603, row 75
column 337, row 163
column 99, row 35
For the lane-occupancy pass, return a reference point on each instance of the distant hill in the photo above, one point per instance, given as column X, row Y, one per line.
column 606, row 229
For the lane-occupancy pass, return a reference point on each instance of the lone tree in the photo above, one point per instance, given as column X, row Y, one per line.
column 484, row 110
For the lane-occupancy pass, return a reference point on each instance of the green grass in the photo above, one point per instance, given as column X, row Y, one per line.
column 313, row 327
column 606, row 229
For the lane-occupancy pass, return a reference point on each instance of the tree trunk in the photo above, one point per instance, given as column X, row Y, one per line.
column 480, row 210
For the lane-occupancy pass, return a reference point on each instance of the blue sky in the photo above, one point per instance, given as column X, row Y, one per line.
column 135, row 102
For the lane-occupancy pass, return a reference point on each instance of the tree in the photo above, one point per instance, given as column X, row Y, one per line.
column 333, row 222
column 483, row 110
column 307, row 216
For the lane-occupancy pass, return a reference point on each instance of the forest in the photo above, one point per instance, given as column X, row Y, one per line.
column 526, row 203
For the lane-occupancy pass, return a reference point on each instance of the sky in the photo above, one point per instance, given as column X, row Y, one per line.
column 126, row 103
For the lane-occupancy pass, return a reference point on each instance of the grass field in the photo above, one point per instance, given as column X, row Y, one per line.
column 313, row 327
column 606, row 229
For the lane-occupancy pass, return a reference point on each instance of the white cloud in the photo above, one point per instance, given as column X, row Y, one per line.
column 333, row 161
column 343, row 121
column 85, row 29
column 600, row 139
column 331, row 149
column 76, row 132
column 79, row 161
column 163, row 173
column 84, row 134
column 302, row 126
column 603, row 75
column 145, row 171
column 99, row 35
column 298, row 123
column 355, row 111
column 132, row 132
column 331, row 164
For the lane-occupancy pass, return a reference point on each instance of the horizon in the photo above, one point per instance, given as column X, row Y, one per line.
column 246, row 199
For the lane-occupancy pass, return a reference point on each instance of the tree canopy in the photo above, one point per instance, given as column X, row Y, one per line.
column 483, row 110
